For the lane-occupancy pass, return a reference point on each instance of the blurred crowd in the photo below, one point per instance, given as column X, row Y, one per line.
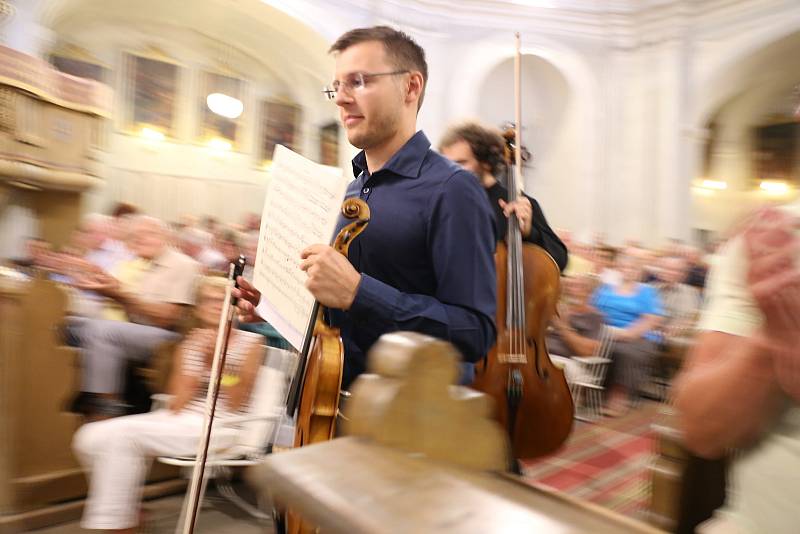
column 131, row 278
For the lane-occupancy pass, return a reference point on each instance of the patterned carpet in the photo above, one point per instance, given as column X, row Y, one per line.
column 604, row 462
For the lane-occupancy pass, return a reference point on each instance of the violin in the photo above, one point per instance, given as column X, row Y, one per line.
column 322, row 374
column 320, row 387
column 532, row 398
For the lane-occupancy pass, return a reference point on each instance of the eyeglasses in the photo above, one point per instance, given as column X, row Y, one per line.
column 355, row 82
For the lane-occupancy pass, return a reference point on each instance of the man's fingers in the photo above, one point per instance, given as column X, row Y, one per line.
column 311, row 250
column 779, row 286
column 771, row 263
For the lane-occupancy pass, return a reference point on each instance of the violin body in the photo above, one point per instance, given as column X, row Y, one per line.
column 319, row 400
column 532, row 398
column 318, row 407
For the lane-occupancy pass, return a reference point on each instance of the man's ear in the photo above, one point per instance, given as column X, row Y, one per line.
column 414, row 86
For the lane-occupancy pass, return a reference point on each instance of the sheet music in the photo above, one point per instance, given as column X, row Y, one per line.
column 302, row 205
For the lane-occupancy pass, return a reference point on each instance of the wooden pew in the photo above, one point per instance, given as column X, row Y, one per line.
column 41, row 482
column 421, row 456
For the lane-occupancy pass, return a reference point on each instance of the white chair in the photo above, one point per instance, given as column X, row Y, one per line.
column 257, row 430
column 585, row 376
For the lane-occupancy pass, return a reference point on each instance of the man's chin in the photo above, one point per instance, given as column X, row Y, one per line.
column 356, row 140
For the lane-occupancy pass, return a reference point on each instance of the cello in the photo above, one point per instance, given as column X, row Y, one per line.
column 532, row 399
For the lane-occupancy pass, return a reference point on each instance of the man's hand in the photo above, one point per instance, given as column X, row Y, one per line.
column 99, row 282
column 773, row 276
column 331, row 278
column 774, row 281
column 522, row 207
column 249, row 297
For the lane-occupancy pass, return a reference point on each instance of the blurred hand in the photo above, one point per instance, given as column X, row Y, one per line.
column 561, row 318
column 249, row 297
column 774, row 281
column 99, row 282
column 773, row 276
column 331, row 278
column 522, row 207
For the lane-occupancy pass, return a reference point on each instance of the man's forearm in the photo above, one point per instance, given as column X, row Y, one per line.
column 162, row 314
column 643, row 326
column 725, row 399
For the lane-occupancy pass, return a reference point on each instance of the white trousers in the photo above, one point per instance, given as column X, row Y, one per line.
column 117, row 454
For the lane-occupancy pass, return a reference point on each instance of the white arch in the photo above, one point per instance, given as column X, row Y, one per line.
column 478, row 61
column 724, row 75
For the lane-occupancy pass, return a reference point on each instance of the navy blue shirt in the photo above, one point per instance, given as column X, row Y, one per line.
column 426, row 257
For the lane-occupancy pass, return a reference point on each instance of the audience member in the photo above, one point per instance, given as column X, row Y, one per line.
column 117, row 452
column 634, row 311
column 148, row 294
column 740, row 387
column 575, row 331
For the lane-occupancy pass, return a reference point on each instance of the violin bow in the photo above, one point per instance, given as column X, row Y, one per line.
column 189, row 517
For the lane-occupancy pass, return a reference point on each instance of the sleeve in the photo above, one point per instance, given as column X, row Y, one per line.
column 184, row 284
column 461, row 247
column 545, row 237
column 729, row 305
column 597, row 297
column 651, row 301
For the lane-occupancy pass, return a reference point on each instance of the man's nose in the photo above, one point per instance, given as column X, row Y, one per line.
column 342, row 98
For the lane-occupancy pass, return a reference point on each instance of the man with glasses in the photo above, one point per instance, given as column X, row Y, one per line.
column 425, row 261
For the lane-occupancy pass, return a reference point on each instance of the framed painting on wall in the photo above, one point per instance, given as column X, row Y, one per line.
column 214, row 127
column 776, row 153
column 280, row 124
column 329, row 144
column 153, row 88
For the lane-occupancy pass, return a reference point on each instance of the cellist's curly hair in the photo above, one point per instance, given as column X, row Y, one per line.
column 487, row 144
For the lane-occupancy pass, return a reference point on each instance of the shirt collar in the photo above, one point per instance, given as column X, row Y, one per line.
column 405, row 162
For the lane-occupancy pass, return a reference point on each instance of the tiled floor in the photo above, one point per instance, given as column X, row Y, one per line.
column 217, row 517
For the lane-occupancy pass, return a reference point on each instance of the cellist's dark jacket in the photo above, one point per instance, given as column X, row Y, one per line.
column 541, row 233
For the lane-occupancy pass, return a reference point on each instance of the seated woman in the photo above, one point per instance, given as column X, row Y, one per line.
column 634, row 311
column 576, row 329
column 116, row 452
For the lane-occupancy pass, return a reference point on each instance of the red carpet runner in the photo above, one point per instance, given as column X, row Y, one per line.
column 604, row 463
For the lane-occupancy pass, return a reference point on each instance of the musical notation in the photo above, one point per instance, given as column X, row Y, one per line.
column 301, row 208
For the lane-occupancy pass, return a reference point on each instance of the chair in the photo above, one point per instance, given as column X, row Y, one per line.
column 586, row 378
column 257, row 430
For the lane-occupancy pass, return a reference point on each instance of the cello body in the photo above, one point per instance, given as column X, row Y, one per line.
column 532, row 398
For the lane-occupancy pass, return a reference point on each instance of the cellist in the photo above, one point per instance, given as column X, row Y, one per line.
column 480, row 150
column 425, row 261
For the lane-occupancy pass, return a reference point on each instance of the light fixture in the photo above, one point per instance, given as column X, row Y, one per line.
column 714, row 184
column 702, row 191
column 774, row 187
column 152, row 134
column 217, row 143
column 224, row 105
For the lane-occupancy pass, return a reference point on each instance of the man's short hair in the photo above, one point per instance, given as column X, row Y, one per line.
column 403, row 52
column 487, row 144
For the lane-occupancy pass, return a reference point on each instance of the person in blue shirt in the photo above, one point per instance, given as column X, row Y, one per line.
column 425, row 262
column 633, row 310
